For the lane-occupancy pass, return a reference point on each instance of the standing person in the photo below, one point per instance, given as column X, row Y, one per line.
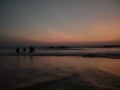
column 17, row 50
column 32, row 49
column 24, row 49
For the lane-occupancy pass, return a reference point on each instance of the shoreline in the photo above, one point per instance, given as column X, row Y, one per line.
column 102, row 55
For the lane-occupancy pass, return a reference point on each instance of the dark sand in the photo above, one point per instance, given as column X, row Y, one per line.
column 97, row 80
column 59, row 73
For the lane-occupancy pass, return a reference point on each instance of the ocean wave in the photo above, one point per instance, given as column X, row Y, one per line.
column 115, row 55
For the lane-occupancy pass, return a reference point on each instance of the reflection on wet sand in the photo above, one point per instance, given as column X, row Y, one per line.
column 76, row 72
column 62, row 73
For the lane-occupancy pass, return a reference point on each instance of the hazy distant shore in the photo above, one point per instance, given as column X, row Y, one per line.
column 63, row 46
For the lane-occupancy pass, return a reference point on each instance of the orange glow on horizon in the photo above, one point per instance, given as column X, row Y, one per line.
column 98, row 31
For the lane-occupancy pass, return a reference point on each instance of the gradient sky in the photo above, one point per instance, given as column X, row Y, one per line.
column 59, row 21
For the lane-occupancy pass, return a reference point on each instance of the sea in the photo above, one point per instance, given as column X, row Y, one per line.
column 60, row 68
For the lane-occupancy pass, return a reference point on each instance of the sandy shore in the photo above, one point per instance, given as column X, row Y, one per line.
column 96, row 80
column 59, row 73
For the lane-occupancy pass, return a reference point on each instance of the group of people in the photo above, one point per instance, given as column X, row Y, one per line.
column 31, row 50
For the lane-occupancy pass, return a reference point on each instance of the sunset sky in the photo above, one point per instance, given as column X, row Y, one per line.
column 59, row 21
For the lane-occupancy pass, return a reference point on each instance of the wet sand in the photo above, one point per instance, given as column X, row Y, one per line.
column 97, row 80
column 59, row 73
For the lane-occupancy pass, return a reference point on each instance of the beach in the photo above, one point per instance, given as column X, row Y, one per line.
column 59, row 73
column 60, row 45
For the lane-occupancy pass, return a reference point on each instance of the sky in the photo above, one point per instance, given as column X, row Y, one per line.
column 59, row 21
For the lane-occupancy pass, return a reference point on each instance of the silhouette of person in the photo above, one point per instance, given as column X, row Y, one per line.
column 17, row 50
column 24, row 49
column 32, row 49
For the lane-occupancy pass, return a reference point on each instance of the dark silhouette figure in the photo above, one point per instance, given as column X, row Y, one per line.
column 17, row 50
column 24, row 49
column 32, row 49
